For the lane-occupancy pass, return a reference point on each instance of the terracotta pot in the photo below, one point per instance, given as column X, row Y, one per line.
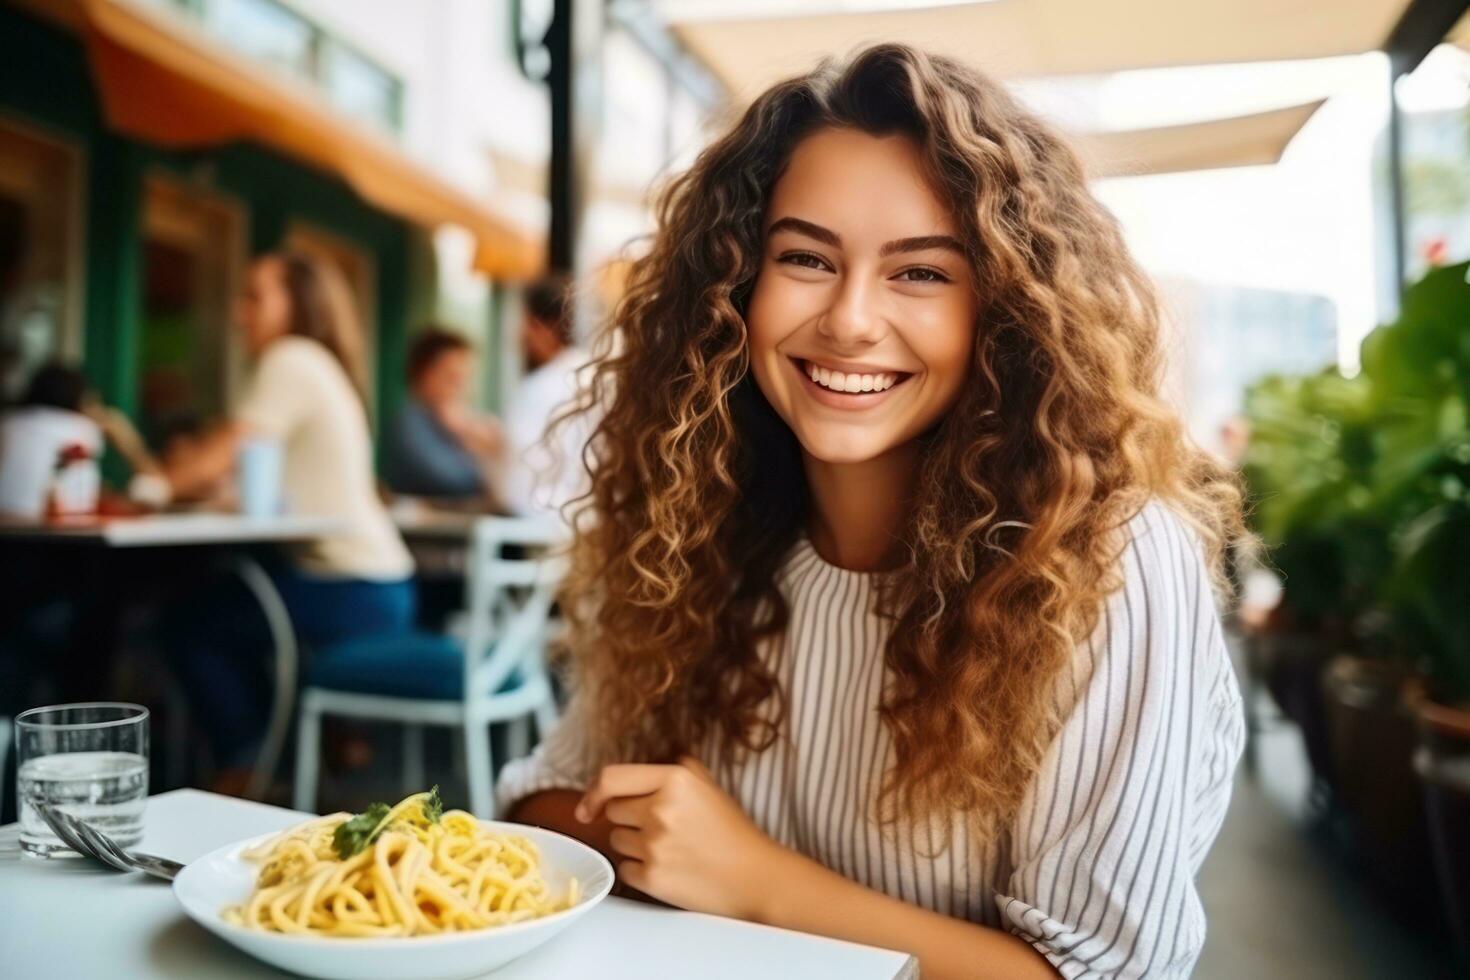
column 1443, row 765
column 1372, row 735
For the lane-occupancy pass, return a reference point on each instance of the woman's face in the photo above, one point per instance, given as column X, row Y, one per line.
column 445, row 381
column 862, row 319
column 263, row 309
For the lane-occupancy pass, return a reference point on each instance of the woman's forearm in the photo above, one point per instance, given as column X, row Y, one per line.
column 806, row 896
column 192, row 472
column 801, row 894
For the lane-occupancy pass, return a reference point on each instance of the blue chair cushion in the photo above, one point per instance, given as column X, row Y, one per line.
column 402, row 665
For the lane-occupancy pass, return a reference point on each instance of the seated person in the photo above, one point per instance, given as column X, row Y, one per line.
column 437, row 446
column 58, row 410
column 540, row 468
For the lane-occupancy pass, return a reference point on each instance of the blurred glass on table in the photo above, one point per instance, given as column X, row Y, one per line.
column 91, row 760
column 261, row 465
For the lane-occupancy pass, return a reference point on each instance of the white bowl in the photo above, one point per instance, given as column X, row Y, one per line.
column 223, row 878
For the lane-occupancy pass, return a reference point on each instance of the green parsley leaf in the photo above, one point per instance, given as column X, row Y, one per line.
column 433, row 806
column 352, row 836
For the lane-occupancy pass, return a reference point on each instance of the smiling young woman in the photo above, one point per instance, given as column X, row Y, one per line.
column 891, row 609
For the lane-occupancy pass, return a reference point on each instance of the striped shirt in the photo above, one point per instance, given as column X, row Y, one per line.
column 1097, row 869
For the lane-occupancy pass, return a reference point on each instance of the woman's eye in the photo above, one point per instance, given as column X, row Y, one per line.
column 922, row 274
column 807, row 260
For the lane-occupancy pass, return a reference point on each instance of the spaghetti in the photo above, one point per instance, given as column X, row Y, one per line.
column 408, row 870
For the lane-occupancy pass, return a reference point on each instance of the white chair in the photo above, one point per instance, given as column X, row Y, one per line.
column 495, row 673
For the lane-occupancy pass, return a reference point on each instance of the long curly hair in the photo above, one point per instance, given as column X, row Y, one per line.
column 697, row 491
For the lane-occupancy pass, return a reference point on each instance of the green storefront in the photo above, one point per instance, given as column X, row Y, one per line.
column 137, row 249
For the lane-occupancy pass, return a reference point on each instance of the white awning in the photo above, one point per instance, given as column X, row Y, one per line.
column 1239, row 141
column 1021, row 38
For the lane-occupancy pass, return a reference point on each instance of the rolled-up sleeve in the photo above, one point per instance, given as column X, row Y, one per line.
column 1132, row 792
column 561, row 761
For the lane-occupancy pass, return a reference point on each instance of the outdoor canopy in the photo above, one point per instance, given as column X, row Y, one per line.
column 1027, row 38
column 171, row 86
column 1237, row 141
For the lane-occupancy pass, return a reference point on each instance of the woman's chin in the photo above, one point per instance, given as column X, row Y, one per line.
column 845, row 451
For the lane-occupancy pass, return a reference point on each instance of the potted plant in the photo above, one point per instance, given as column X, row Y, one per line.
column 1420, row 371
column 1309, row 466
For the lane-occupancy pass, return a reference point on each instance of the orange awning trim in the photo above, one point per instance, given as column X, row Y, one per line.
column 169, row 85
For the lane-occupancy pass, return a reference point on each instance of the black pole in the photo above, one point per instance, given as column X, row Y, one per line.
column 562, row 192
column 1396, row 184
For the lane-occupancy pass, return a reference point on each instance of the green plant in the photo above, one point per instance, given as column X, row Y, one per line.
column 1419, row 368
column 1362, row 487
column 1309, row 466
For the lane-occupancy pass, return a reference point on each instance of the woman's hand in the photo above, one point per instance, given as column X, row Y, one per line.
column 481, row 435
column 686, row 842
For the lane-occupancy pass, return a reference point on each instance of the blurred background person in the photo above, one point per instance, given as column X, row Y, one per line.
column 48, row 419
column 437, row 445
column 302, row 333
column 540, row 469
column 59, row 410
column 178, row 438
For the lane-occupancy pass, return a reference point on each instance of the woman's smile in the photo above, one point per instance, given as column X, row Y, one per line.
column 848, row 386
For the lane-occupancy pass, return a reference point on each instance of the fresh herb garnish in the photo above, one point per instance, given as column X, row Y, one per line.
column 352, row 836
column 433, row 806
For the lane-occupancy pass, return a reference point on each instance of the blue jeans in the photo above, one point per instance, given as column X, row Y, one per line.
column 218, row 643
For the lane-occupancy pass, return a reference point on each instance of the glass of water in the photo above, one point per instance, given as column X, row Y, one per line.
column 91, row 760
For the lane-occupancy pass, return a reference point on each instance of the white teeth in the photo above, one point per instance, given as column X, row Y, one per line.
column 852, row 383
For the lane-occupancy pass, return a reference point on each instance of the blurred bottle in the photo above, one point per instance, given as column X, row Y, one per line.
column 76, row 483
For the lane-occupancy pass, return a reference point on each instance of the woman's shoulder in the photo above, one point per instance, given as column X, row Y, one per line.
column 296, row 350
column 1165, row 611
column 1160, row 546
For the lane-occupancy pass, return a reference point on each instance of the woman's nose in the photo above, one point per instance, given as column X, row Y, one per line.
column 854, row 317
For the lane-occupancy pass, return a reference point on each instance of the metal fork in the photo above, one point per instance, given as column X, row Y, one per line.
column 65, row 833
column 86, row 839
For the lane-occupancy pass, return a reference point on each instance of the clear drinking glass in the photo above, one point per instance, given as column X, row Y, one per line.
column 91, row 760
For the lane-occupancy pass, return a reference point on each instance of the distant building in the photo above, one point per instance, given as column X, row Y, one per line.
column 1227, row 337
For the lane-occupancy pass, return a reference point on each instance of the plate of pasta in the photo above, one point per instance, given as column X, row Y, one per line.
column 410, row 890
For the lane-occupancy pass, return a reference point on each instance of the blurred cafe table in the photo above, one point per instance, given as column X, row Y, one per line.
column 105, row 563
column 171, row 530
column 68, row 918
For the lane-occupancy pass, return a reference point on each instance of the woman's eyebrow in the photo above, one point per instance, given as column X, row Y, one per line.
column 921, row 244
column 824, row 235
column 829, row 237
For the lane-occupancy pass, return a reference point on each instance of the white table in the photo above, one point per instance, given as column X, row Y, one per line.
column 158, row 530
column 68, row 918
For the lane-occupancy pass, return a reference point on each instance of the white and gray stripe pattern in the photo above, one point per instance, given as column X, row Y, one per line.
column 1097, row 869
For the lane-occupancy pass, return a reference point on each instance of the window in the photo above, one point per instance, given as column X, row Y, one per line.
column 267, row 32
column 192, row 254
column 360, row 88
column 273, row 34
column 40, row 253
